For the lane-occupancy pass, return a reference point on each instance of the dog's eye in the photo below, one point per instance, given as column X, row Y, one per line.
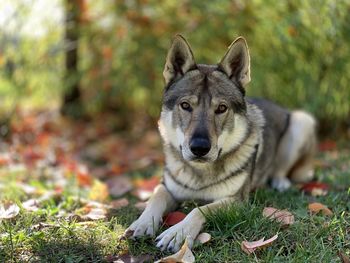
column 221, row 109
column 186, row 106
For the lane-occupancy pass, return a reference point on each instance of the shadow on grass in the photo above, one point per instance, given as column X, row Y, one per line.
column 70, row 251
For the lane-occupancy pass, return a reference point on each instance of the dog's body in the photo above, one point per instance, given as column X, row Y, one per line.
column 218, row 144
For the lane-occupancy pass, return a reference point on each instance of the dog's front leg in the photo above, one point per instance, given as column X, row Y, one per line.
column 148, row 223
column 189, row 227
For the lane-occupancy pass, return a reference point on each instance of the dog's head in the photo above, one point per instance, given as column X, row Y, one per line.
column 203, row 114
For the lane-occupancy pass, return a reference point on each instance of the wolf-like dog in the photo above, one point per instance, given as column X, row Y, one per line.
column 219, row 144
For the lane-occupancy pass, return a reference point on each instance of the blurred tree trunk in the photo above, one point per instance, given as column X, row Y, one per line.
column 72, row 105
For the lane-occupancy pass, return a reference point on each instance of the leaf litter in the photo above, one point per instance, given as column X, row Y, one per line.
column 52, row 150
column 184, row 255
column 39, row 141
column 282, row 216
column 318, row 207
column 144, row 187
column 250, row 247
column 31, row 205
column 8, row 211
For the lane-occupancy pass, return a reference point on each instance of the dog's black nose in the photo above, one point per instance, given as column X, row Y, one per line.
column 199, row 146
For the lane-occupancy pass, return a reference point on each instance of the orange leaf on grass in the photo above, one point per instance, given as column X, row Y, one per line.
column 282, row 216
column 84, row 179
column 92, row 211
column 173, row 218
column 43, row 138
column 144, row 187
column 327, row 145
column 250, row 247
column 318, row 207
column 147, row 184
column 70, row 166
column 5, row 159
column 117, row 169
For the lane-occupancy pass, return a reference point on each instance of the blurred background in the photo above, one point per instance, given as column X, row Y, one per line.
column 87, row 58
column 80, row 94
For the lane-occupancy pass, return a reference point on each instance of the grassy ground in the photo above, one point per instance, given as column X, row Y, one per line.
column 47, row 236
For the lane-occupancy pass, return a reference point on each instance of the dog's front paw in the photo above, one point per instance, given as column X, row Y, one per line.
column 280, row 184
column 146, row 224
column 172, row 238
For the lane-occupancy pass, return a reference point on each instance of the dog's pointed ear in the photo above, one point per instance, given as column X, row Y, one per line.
column 179, row 59
column 236, row 62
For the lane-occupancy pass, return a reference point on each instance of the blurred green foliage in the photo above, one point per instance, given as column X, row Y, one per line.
column 300, row 52
column 31, row 66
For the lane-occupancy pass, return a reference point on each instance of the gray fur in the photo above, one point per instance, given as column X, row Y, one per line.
column 277, row 121
column 250, row 141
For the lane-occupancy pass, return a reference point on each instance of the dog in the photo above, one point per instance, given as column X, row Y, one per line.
column 219, row 145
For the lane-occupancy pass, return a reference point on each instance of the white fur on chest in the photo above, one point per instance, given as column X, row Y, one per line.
column 214, row 192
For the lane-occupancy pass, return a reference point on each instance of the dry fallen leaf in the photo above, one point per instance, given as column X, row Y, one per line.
column 89, row 204
column 8, row 211
column 95, row 214
column 119, row 203
column 28, row 189
column 327, row 145
column 99, row 191
column 5, row 159
column 126, row 258
column 119, row 185
column 250, row 247
column 184, row 255
column 48, row 195
column 31, row 205
column 144, row 187
column 147, row 184
column 317, row 207
column 173, row 218
column 318, row 192
column 83, row 177
column 31, row 156
column 282, row 216
column 203, row 238
column 343, row 258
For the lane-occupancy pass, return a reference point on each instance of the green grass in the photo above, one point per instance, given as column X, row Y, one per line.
column 42, row 236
